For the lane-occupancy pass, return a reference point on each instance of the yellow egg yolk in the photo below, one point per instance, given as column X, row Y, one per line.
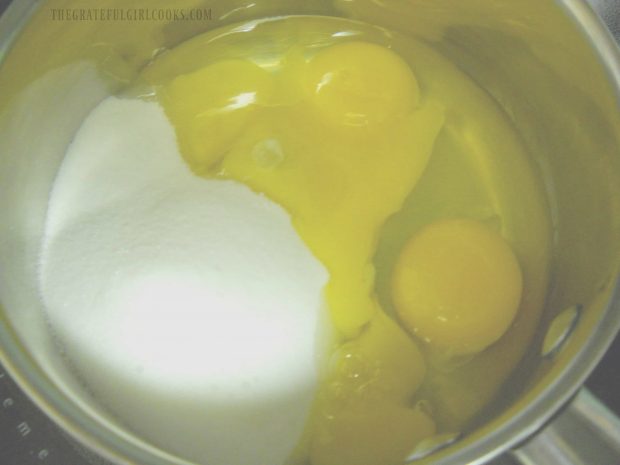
column 373, row 434
column 457, row 285
column 357, row 83
column 364, row 414
column 224, row 96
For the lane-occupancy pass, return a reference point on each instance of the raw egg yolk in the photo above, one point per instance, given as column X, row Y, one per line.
column 359, row 83
column 383, row 363
column 373, row 434
column 457, row 285
column 223, row 97
column 364, row 413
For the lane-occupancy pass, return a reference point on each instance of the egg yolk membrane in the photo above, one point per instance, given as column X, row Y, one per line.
column 457, row 285
column 340, row 137
column 361, row 84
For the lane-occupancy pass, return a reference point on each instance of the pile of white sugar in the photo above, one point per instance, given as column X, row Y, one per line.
column 190, row 307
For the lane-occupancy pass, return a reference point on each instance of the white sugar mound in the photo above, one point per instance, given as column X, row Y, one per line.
column 190, row 307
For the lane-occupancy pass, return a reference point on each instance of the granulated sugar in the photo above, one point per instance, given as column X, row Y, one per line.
column 189, row 306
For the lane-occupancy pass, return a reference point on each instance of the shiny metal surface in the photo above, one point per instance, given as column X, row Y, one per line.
column 587, row 433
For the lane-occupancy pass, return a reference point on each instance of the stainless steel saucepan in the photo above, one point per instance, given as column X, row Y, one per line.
column 551, row 66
